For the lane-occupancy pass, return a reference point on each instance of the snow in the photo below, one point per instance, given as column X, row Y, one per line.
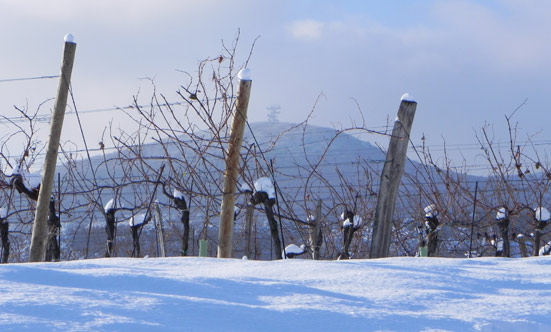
column 501, row 213
column 34, row 180
column 69, row 38
column 430, row 211
column 347, row 223
column 542, row 214
column 265, row 184
column 16, row 169
column 545, row 249
column 31, row 180
column 209, row 294
column 110, row 205
column 407, row 97
column 293, row 249
column 137, row 220
column 178, row 194
column 3, row 213
column 357, row 221
column 244, row 74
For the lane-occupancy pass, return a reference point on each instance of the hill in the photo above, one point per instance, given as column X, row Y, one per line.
column 310, row 163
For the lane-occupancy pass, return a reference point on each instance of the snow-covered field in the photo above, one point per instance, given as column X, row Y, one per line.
column 208, row 294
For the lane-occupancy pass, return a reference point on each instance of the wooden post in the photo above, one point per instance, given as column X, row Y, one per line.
column 203, row 248
column 315, row 232
column 390, row 179
column 39, row 232
column 232, row 166
column 522, row 245
column 159, row 229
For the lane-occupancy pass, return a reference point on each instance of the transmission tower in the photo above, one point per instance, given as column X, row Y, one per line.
column 273, row 113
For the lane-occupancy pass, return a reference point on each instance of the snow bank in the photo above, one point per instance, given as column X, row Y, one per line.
column 208, row 294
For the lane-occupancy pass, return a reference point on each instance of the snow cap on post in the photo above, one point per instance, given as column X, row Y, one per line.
column 407, row 97
column 358, row 221
column 69, row 38
column 542, row 214
column 244, row 74
column 178, row 194
column 501, row 213
column 137, row 220
column 109, row 206
column 265, row 184
column 3, row 213
column 293, row 250
column 545, row 250
column 347, row 223
column 430, row 211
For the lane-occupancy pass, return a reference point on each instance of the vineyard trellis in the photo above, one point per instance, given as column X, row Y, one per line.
column 317, row 183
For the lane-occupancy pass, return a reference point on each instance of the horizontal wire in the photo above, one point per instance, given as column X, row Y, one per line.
column 28, row 78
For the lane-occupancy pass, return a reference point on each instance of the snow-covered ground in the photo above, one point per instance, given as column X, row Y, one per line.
column 208, row 294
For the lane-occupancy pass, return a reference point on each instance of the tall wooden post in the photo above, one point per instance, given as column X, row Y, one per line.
column 159, row 230
column 39, row 232
column 232, row 165
column 390, row 179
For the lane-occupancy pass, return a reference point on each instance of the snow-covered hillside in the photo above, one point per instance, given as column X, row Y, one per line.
column 207, row 294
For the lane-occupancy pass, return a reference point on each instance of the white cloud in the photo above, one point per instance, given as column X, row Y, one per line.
column 307, row 29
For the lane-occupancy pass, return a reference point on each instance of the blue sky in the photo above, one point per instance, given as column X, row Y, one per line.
column 468, row 63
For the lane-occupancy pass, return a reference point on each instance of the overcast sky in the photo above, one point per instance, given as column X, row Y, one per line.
column 467, row 63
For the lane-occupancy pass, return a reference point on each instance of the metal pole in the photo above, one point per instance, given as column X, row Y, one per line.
column 278, row 212
column 472, row 220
